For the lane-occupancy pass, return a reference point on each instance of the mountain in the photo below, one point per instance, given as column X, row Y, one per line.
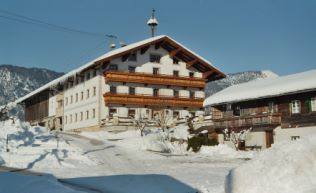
column 17, row 81
column 237, row 78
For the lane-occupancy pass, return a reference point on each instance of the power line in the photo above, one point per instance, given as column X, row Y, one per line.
column 28, row 20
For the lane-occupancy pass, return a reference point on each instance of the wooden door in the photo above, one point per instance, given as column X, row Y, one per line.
column 269, row 138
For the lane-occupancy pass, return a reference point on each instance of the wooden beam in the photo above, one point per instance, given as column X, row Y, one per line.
column 190, row 63
column 157, row 45
column 124, row 57
column 144, row 50
column 174, row 52
column 207, row 74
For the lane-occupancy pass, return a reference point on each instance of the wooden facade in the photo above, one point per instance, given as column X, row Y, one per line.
column 149, row 100
column 268, row 112
column 154, row 79
column 36, row 107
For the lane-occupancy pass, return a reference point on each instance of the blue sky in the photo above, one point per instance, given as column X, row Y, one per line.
column 279, row 35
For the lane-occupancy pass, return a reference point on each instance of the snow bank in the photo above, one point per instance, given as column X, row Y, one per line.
column 154, row 139
column 17, row 183
column 35, row 147
column 223, row 151
column 286, row 167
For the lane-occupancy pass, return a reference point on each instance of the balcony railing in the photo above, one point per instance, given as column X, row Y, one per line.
column 149, row 100
column 249, row 121
column 156, row 79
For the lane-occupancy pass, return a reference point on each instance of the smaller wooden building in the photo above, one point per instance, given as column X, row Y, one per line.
column 282, row 108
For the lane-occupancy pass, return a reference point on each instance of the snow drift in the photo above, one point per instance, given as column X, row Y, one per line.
column 287, row 167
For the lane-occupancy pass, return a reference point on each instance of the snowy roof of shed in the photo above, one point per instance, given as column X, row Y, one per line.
column 208, row 66
column 265, row 88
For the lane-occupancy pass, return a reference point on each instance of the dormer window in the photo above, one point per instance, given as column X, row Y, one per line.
column 155, row 58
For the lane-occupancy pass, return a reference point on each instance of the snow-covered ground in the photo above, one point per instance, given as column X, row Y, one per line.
column 126, row 162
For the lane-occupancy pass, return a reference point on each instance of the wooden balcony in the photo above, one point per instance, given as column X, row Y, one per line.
column 159, row 79
column 267, row 119
column 149, row 100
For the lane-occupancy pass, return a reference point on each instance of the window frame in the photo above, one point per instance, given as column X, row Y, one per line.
column 295, row 109
column 155, row 58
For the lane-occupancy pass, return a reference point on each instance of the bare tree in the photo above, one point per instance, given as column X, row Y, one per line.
column 140, row 124
column 237, row 137
column 162, row 119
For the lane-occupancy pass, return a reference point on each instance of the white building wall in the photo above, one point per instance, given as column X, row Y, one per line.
column 288, row 134
column 88, row 103
column 52, row 105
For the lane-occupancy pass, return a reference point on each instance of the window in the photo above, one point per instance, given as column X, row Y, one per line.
column 156, row 92
column 155, row 58
column 81, row 116
column 93, row 113
column 132, row 57
column 66, row 101
column 131, row 90
column 71, row 99
column 313, row 104
column 131, row 113
column 191, row 94
column 82, row 95
column 155, row 71
column 176, row 93
column 76, row 117
column 295, row 106
column 272, row 107
column 60, row 103
column 113, row 89
column 175, row 61
column 294, row 138
column 88, row 76
column 191, row 74
column 77, row 80
column 228, row 107
column 94, row 73
column 82, row 79
column 88, row 93
column 112, row 112
column 176, row 73
column 76, row 97
column 87, row 115
column 131, row 69
column 94, row 91
column 113, row 67
column 236, row 111
column 176, row 114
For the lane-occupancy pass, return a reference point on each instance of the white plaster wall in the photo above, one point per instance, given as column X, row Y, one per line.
column 256, row 138
column 52, row 105
column 285, row 134
column 87, row 104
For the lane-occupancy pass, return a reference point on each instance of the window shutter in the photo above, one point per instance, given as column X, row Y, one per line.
column 308, row 104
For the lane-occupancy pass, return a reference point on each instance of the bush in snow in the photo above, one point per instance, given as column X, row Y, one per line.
column 196, row 142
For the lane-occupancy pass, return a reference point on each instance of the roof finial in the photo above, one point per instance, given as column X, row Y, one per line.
column 152, row 23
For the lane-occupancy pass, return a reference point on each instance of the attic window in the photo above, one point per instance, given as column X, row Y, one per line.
column 175, row 61
column 132, row 57
column 155, row 58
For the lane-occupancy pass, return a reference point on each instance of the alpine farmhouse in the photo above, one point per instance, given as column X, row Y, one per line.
column 282, row 108
column 139, row 80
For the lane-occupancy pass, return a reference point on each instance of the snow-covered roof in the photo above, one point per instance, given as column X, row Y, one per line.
column 109, row 54
column 265, row 88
